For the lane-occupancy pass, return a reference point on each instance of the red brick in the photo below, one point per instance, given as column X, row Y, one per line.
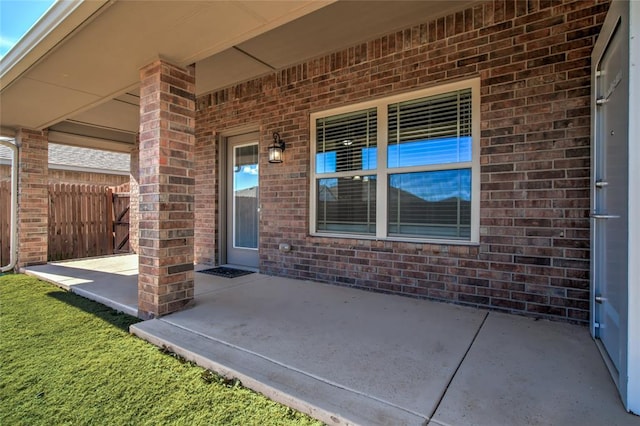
column 165, row 185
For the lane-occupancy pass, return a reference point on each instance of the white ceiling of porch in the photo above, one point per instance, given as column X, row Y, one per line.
column 84, row 88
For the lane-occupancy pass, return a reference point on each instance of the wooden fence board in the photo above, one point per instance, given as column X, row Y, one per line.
column 53, row 232
column 77, row 222
column 81, row 221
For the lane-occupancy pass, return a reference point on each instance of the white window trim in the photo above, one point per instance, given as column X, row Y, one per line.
column 382, row 171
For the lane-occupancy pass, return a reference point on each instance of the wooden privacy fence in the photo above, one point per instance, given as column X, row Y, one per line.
column 84, row 223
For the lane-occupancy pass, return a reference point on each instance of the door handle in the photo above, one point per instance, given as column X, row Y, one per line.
column 600, row 299
column 601, row 184
column 605, row 216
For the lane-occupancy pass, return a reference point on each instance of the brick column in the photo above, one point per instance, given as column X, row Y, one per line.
column 134, row 193
column 166, row 184
column 33, row 197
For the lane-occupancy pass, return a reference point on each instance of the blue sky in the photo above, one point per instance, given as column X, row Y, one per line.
column 16, row 17
column 246, row 177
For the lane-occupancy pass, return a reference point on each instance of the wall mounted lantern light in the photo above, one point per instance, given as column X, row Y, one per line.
column 276, row 149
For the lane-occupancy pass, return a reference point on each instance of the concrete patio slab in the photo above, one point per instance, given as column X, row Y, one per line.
column 125, row 264
column 333, row 334
column 111, row 280
column 525, row 372
column 348, row 356
column 312, row 395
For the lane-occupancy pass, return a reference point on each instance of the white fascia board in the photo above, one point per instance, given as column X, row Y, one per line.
column 59, row 21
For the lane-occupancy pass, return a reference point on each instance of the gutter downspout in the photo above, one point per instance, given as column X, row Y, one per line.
column 13, row 224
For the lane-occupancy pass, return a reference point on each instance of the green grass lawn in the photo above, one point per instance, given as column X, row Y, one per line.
column 65, row 360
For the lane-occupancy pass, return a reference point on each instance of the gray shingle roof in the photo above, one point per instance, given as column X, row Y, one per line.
column 73, row 157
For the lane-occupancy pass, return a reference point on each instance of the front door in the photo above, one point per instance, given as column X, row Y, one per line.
column 242, row 200
column 610, row 196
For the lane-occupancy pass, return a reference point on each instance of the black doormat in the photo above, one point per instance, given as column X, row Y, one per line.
column 223, row 271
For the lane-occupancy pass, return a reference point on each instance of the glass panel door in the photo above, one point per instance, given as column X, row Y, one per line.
column 245, row 196
column 242, row 201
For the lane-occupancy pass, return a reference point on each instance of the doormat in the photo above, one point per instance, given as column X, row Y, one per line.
column 223, row 271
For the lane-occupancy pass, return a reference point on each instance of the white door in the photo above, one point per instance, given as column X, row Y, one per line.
column 610, row 195
column 243, row 206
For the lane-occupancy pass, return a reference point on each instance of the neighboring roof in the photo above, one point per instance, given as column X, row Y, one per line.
column 248, row 192
column 65, row 157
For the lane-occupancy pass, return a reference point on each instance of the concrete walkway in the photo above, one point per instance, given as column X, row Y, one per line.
column 348, row 356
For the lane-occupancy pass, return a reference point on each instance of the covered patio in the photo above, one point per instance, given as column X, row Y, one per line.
column 520, row 200
column 348, row 356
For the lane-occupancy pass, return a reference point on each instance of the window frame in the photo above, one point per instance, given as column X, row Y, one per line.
column 382, row 172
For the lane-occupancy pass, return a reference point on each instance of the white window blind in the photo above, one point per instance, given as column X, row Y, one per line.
column 433, row 130
column 346, row 142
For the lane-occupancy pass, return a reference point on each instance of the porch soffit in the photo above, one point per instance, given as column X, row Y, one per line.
column 86, row 86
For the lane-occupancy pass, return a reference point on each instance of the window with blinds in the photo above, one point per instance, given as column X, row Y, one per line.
column 433, row 130
column 345, row 148
column 346, row 142
column 427, row 133
column 424, row 185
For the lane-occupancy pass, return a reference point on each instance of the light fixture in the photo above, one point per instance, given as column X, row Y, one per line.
column 276, row 149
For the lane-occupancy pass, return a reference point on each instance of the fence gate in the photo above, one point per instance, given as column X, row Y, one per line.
column 87, row 220
column 120, row 215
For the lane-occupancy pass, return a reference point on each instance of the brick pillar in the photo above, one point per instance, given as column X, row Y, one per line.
column 134, row 192
column 33, row 197
column 166, row 184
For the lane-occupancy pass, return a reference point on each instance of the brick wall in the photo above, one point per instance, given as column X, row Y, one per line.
column 206, row 194
column 33, row 197
column 533, row 58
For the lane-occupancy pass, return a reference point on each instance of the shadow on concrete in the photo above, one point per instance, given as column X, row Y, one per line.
column 111, row 281
column 111, row 316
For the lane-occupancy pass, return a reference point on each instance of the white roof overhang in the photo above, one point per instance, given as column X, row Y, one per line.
column 76, row 72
